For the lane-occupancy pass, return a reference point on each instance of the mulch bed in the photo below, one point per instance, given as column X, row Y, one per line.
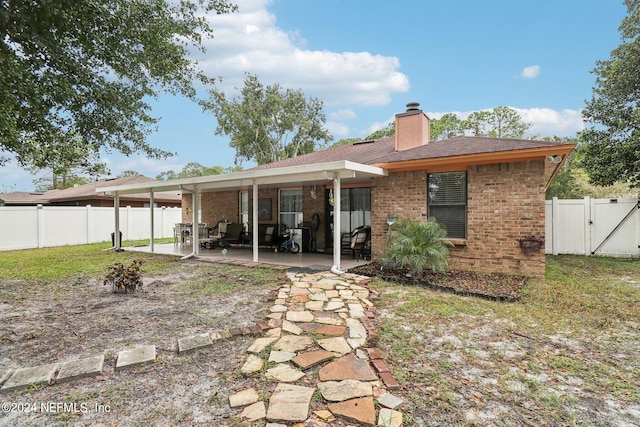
column 500, row 287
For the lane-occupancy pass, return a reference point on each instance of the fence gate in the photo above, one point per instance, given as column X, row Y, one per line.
column 601, row 227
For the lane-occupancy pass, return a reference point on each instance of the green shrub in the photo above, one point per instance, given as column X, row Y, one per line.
column 418, row 245
column 124, row 278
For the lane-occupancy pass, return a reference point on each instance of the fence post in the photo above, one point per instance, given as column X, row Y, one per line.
column 588, row 211
column 89, row 222
column 555, row 227
column 40, row 225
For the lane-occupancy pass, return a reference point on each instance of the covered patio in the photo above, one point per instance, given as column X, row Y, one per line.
column 334, row 173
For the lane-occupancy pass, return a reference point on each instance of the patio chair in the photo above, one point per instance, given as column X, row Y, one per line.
column 215, row 236
column 361, row 242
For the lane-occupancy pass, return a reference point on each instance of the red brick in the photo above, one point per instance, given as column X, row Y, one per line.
column 380, row 365
column 389, row 380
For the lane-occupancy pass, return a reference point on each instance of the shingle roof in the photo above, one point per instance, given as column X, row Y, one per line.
column 383, row 150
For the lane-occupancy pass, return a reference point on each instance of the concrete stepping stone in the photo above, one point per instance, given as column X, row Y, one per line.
column 347, row 367
column 306, row 360
column 299, row 316
column 23, row 378
column 360, row 410
column 254, row 412
column 252, row 364
column 390, row 401
column 244, row 398
column 284, row 373
column 336, row 345
column 81, row 368
column 292, row 343
column 389, row 418
column 188, row 344
column 339, row 391
column 331, row 330
column 136, row 356
column 289, row 403
column 291, row 327
column 281, row 356
column 260, row 344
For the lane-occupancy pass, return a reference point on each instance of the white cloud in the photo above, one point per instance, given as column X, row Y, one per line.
column 530, row 72
column 338, row 130
column 251, row 41
column 344, row 114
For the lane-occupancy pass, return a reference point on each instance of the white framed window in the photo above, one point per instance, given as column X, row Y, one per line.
column 290, row 207
column 243, row 207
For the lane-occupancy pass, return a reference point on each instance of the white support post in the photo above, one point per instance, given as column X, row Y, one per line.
column 254, row 212
column 116, row 237
column 587, row 225
column 555, row 227
column 336, row 226
column 152, row 218
column 195, row 238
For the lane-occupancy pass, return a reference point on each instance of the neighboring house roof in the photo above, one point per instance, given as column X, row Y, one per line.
column 453, row 152
column 88, row 191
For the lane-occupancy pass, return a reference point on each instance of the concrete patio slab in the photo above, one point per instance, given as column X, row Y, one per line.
column 189, row 344
column 23, row 378
column 136, row 356
column 81, row 368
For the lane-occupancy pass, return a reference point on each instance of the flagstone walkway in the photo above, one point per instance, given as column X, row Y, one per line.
column 318, row 345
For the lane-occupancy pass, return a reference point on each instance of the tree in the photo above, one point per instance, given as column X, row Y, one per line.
column 612, row 135
column 389, row 130
column 193, row 169
column 345, row 141
column 501, row 122
column 67, row 158
column 89, row 66
column 267, row 124
column 447, row 126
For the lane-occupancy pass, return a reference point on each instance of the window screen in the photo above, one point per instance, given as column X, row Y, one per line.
column 447, row 201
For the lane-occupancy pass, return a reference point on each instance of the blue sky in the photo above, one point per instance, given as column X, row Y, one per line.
column 366, row 59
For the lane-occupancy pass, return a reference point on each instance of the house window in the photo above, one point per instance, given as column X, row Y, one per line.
column 355, row 207
column 447, row 201
column 291, row 207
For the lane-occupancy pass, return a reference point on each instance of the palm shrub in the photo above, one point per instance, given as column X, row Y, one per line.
column 418, row 245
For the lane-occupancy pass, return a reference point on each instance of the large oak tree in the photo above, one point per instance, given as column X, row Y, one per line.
column 89, row 68
column 612, row 136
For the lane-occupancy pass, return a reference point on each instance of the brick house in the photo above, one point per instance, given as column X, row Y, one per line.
column 488, row 192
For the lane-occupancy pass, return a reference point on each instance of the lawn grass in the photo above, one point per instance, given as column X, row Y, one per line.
column 48, row 264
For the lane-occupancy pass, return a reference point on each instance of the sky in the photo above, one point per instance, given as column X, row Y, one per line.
column 367, row 59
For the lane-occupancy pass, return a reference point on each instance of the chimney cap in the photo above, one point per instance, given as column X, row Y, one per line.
column 413, row 106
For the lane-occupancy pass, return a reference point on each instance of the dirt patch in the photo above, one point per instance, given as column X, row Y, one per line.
column 496, row 286
column 57, row 322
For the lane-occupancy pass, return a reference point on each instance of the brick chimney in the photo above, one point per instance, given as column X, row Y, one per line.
column 412, row 128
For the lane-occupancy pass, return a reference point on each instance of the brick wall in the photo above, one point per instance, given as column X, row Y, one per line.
column 505, row 203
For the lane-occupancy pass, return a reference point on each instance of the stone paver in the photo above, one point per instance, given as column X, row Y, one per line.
column 291, row 327
column 338, row 391
column 252, row 364
column 5, row 375
column 390, row 401
column 306, row 360
column 188, row 344
column 281, row 356
column 136, row 356
column 81, row 368
column 389, row 418
column 331, row 330
column 23, row 378
column 254, row 412
column 347, row 367
column 292, row 343
column 244, row 398
column 299, row 316
column 314, row 305
column 360, row 410
column 284, row 373
column 336, row 344
column 260, row 344
column 289, row 403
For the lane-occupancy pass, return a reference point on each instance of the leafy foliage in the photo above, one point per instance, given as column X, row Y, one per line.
column 267, row 124
column 612, row 152
column 87, row 68
column 501, row 122
column 193, row 169
column 418, row 245
column 124, row 278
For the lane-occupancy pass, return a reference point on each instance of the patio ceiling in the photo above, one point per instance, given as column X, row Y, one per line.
column 319, row 173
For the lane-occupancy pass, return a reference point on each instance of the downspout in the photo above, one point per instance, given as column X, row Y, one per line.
column 335, row 269
column 254, row 212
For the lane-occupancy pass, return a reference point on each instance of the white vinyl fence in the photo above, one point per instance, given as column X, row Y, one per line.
column 24, row 227
column 600, row 227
